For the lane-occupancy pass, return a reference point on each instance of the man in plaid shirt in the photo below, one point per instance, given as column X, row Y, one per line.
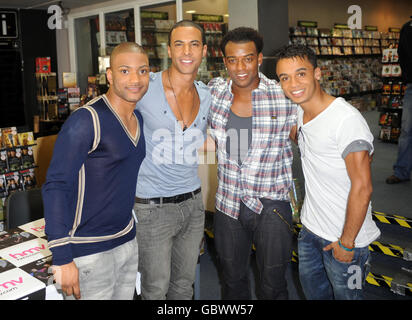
column 250, row 120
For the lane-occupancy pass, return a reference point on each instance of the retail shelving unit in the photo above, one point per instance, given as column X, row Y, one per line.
column 349, row 60
column 393, row 89
column 215, row 29
column 16, row 164
column 155, row 31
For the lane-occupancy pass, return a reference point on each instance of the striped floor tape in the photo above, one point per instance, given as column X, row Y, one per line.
column 392, row 219
column 389, row 250
column 387, row 282
column 372, row 278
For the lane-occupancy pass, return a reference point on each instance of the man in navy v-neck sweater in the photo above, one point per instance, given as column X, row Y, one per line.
column 89, row 190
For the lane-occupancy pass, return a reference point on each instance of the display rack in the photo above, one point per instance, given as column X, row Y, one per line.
column 47, row 104
column 215, row 29
column 119, row 28
column 338, row 41
column 46, row 85
column 16, row 164
column 350, row 60
column 393, row 90
column 155, row 30
column 212, row 66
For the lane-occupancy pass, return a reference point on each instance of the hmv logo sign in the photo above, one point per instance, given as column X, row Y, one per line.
column 38, row 229
column 14, row 283
column 27, row 252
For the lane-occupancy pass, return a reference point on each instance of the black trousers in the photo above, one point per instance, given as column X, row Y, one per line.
column 272, row 238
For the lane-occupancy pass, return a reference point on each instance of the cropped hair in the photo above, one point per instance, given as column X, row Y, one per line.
column 187, row 23
column 126, row 47
column 294, row 51
column 242, row 35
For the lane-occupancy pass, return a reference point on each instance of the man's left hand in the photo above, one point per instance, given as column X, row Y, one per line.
column 339, row 253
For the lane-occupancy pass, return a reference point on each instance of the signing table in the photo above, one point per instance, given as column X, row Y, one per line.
column 25, row 264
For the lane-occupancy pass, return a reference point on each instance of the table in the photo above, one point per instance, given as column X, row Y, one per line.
column 25, row 264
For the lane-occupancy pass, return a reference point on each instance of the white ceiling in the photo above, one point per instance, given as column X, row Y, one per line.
column 44, row 4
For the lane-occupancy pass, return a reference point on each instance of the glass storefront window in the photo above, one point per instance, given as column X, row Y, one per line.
column 93, row 59
column 87, row 48
column 155, row 22
column 119, row 28
column 213, row 17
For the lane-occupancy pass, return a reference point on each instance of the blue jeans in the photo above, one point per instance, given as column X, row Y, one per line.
column 169, row 237
column 403, row 165
column 273, row 241
column 108, row 275
column 323, row 277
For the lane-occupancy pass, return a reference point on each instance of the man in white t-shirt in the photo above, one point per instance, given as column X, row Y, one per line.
column 335, row 144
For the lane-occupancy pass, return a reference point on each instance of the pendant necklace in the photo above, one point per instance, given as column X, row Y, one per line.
column 177, row 104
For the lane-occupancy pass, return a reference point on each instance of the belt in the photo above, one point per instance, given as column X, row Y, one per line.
column 175, row 199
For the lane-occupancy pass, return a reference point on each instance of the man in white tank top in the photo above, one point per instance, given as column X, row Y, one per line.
column 335, row 144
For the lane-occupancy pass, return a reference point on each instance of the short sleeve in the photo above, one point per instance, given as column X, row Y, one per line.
column 353, row 135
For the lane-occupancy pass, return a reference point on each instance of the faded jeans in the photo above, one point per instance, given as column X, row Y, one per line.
column 323, row 277
column 403, row 165
column 169, row 237
column 108, row 275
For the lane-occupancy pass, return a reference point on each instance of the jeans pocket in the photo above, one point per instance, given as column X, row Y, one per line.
column 87, row 265
column 302, row 234
column 354, row 258
column 198, row 200
column 284, row 212
column 144, row 213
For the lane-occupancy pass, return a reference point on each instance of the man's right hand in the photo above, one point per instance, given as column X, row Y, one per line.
column 67, row 276
column 293, row 135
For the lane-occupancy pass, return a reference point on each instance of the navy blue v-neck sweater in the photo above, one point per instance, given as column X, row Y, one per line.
column 90, row 186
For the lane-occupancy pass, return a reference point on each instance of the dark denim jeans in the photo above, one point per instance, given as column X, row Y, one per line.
column 272, row 239
column 323, row 277
column 403, row 165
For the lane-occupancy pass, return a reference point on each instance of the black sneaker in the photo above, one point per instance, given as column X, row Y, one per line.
column 394, row 180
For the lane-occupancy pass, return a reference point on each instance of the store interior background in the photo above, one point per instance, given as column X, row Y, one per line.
column 274, row 24
column 380, row 13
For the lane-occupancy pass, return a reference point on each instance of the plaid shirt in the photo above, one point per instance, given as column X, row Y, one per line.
column 266, row 172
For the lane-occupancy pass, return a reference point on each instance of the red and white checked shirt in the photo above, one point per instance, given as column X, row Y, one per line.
column 266, row 172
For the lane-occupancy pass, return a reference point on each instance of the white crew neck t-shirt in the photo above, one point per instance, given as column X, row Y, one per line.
column 324, row 142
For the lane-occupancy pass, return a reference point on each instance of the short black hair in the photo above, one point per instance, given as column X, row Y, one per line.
column 294, row 51
column 242, row 35
column 187, row 23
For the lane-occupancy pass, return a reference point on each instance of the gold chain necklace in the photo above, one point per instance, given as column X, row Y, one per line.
column 177, row 104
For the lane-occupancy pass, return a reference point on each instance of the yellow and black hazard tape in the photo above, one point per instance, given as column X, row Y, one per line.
column 388, row 282
column 387, row 249
column 392, row 219
column 372, row 278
